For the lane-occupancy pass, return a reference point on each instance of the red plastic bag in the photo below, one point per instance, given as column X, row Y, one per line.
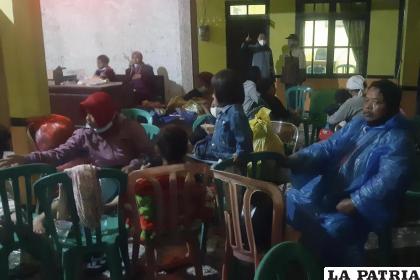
column 325, row 133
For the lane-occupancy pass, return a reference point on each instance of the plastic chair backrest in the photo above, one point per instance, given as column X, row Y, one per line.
column 199, row 121
column 14, row 176
column 48, row 185
column 235, row 183
column 288, row 133
column 276, row 262
column 320, row 99
column 261, row 166
column 138, row 115
column 187, row 172
column 250, row 165
column 151, row 130
column 296, row 97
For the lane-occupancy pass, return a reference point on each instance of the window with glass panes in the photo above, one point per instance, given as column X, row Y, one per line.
column 334, row 36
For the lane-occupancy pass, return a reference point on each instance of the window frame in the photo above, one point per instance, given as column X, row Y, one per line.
column 332, row 17
column 246, row 3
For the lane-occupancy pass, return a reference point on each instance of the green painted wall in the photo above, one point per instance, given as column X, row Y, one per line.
column 212, row 53
column 22, row 57
column 411, row 47
column 383, row 37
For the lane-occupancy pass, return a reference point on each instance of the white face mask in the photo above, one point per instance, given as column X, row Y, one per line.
column 102, row 129
column 214, row 111
column 261, row 42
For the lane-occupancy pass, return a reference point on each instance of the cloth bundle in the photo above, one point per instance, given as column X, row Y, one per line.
column 87, row 195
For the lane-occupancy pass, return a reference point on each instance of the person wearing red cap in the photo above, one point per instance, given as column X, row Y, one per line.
column 109, row 140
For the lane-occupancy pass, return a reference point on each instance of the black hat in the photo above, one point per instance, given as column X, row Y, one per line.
column 293, row 36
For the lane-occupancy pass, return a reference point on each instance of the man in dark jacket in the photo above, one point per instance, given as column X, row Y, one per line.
column 140, row 78
column 262, row 56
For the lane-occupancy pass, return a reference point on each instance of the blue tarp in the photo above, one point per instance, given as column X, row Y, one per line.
column 370, row 165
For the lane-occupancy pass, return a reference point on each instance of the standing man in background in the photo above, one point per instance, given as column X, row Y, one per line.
column 262, row 56
column 140, row 78
column 294, row 66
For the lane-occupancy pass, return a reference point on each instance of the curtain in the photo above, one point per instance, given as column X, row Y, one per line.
column 355, row 30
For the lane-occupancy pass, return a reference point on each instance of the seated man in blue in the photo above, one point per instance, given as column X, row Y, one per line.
column 352, row 184
column 232, row 135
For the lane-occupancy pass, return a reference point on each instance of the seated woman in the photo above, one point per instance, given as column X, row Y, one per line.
column 252, row 98
column 139, row 77
column 104, row 71
column 340, row 96
column 232, row 136
column 353, row 106
column 110, row 140
column 352, row 184
column 268, row 94
column 203, row 89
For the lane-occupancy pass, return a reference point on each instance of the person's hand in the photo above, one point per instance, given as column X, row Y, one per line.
column 346, row 206
column 127, row 169
column 144, row 166
column 208, row 128
column 12, row 160
column 248, row 38
column 136, row 76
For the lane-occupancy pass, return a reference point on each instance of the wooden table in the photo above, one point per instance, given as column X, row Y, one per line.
column 65, row 99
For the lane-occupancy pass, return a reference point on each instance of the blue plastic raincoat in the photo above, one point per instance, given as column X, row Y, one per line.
column 371, row 166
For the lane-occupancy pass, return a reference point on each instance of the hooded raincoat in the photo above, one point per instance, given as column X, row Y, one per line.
column 369, row 165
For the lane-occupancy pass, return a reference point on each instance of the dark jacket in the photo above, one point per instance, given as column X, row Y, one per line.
column 143, row 87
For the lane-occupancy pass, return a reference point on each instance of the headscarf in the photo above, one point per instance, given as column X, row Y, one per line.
column 101, row 106
column 356, row 82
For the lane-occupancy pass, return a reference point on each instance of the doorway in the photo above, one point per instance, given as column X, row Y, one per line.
column 244, row 18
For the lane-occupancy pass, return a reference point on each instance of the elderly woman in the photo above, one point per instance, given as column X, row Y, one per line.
column 109, row 140
column 352, row 184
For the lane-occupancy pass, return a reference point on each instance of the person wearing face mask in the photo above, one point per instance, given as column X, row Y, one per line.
column 354, row 182
column 353, row 106
column 294, row 64
column 108, row 140
column 206, row 127
column 139, row 77
column 262, row 56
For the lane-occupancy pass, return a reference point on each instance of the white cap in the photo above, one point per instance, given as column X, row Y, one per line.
column 355, row 83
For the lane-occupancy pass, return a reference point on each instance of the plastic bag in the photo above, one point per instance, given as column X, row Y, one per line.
column 265, row 140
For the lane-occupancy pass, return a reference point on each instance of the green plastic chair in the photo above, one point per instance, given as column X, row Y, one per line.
column 151, row 130
column 296, row 97
column 109, row 240
column 320, row 99
column 295, row 100
column 275, row 263
column 199, row 121
column 19, row 234
column 137, row 115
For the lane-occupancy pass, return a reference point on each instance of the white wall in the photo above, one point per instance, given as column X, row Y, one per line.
column 77, row 31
